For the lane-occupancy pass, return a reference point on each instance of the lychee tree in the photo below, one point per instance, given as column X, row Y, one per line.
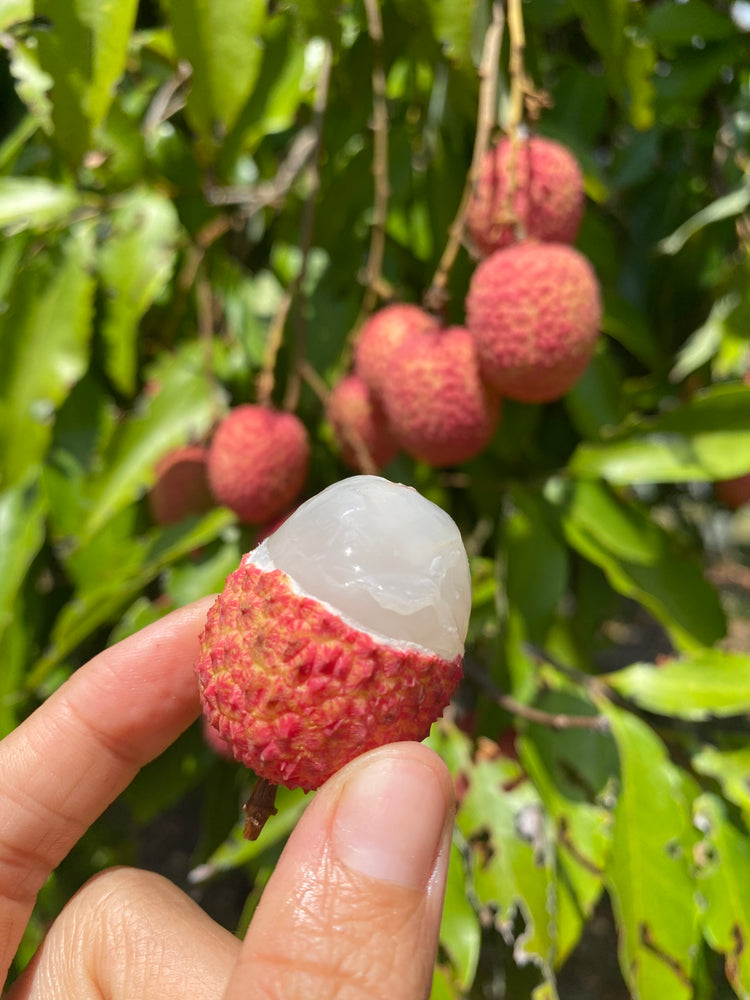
column 207, row 212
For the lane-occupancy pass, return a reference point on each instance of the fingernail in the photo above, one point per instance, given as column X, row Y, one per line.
column 390, row 820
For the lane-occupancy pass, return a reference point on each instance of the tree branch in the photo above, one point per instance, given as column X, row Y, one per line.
column 435, row 296
column 372, row 276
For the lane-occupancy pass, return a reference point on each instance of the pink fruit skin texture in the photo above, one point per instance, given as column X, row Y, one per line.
column 379, row 337
column 181, row 486
column 258, row 462
column 352, row 407
column 297, row 693
column 535, row 311
column 440, row 410
column 548, row 200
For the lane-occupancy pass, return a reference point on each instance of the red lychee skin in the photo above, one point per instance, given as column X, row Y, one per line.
column 258, row 462
column 548, row 200
column 297, row 693
column 352, row 410
column 733, row 493
column 379, row 337
column 535, row 311
column 439, row 408
column 181, row 486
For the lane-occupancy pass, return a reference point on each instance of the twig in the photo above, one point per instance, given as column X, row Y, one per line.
column 253, row 197
column 518, row 89
column 380, row 159
column 307, row 226
column 274, row 341
column 165, row 102
column 434, row 298
column 361, row 452
column 553, row 720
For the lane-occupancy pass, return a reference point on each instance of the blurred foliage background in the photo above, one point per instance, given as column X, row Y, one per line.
column 180, row 181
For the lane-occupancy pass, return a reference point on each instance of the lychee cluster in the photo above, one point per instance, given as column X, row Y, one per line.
column 256, row 464
column 533, row 313
column 341, row 631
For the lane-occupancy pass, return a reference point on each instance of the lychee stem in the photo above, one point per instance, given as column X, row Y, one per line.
column 259, row 807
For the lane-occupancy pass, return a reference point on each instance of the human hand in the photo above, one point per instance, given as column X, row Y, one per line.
column 352, row 909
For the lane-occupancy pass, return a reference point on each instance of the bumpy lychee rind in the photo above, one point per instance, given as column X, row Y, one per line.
column 297, row 692
column 379, row 337
column 181, row 485
column 437, row 404
column 258, row 462
column 535, row 312
column 357, row 419
column 547, row 202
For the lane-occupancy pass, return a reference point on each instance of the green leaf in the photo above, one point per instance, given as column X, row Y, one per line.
column 508, row 832
column 44, row 341
column 682, row 23
column 731, row 769
column 460, row 933
column 641, row 561
column 13, row 11
column 727, row 207
column 221, row 41
column 722, row 859
column 97, row 31
column 647, row 874
column 93, row 606
column 705, row 342
column 182, row 407
column 532, row 538
column 706, row 439
column 22, row 514
column 136, row 261
column 706, row 683
column 560, row 766
column 34, row 203
column 604, row 23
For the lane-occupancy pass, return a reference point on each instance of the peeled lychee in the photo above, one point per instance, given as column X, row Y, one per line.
column 438, row 406
column 534, row 310
column 181, row 485
column 342, row 631
column 547, row 202
column 258, row 462
column 358, row 422
column 379, row 337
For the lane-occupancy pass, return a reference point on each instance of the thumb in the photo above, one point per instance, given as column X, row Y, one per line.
column 353, row 908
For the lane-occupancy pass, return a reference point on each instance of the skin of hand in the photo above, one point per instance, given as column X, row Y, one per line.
column 352, row 910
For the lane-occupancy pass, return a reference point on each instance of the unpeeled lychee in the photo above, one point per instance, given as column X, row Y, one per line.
column 535, row 311
column 258, row 462
column 359, row 424
column 181, row 485
column 379, row 337
column 436, row 402
column 342, row 631
column 547, row 201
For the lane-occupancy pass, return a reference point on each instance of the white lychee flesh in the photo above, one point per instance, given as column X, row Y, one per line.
column 384, row 557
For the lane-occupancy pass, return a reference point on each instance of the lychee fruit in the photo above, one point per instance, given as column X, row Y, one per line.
column 379, row 337
column 342, row 631
column 547, row 202
column 258, row 462
column 535, row 311
column 359, row 424
column 440, row 410
column 181, row 485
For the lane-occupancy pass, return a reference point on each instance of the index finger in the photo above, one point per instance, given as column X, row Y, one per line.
column 69, row 760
